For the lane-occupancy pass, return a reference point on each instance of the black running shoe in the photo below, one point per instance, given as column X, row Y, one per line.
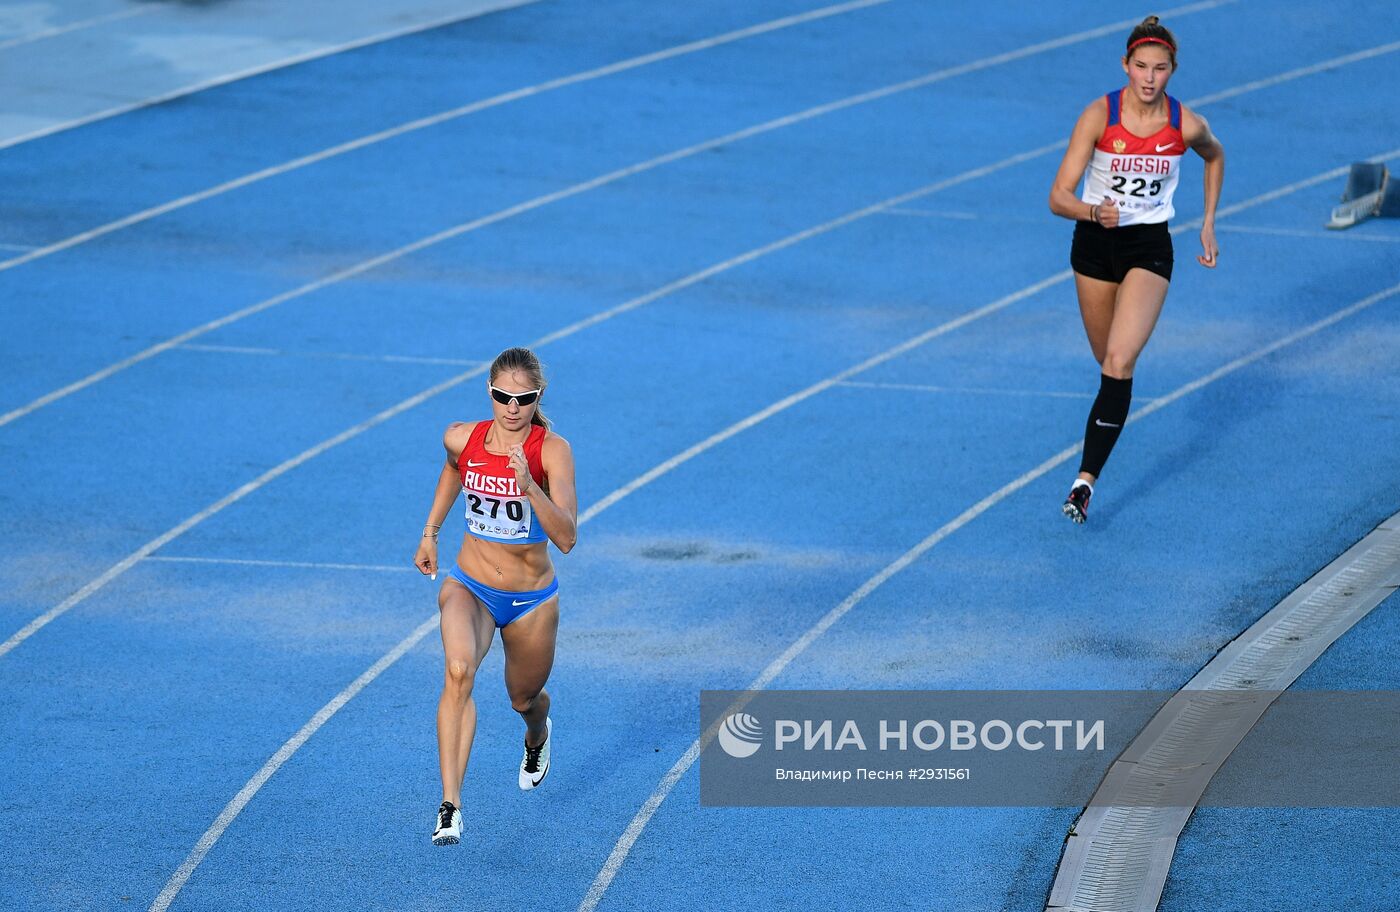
column 1077, row 503
column 449, row 825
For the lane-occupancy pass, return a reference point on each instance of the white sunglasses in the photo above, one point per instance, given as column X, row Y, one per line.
column 505, row 397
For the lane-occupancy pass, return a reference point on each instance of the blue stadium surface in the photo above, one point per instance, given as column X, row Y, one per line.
column 222, row 424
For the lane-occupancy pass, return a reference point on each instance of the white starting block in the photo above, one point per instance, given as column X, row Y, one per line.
column 1370, row 193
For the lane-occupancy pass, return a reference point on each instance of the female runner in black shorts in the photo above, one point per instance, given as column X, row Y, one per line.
column 1127, row 146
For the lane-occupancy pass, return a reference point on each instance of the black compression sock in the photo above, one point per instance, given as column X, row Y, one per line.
column 1106, row 421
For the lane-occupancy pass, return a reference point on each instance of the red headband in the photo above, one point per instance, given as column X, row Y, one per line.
column 1164, row 41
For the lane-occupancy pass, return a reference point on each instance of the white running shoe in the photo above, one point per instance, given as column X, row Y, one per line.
column 449, row 825
column 534, row 766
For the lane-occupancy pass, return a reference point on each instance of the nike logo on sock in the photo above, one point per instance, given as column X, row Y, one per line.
column 1105, row 423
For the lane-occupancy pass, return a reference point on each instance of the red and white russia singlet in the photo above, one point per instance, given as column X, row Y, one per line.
column 1138, row 173
column 496, row 510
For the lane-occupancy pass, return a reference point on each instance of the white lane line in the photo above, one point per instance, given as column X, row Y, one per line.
column 1335, row 63
column 634, row 829
column 306, row 565
column 231, row 349
column 159, row 542
column 255, row 71
column 930, row 213
column 571, row 191
column 686, row 282
column 18, row 247
column 277, row 471
column 956, row 215
column 265, row 478
column 1301, row 233
column 639, row 821
column 928, row 335
column 975, row 390
column 623, row 847
column 693, row 279
column 1126, row 837
column 76, row 26
column 245, row 794
column 335, row 356
column 235, row 807
column 435, row 120
column 232, row 810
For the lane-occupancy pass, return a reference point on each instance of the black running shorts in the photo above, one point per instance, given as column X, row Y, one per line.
column 1108, row 253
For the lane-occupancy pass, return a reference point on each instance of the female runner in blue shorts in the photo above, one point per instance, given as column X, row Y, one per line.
column 517, row 479
column 1127, row 147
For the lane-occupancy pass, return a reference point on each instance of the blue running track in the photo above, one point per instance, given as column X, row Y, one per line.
column 213, row 519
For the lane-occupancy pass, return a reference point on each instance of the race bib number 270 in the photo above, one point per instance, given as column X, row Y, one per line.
column 496, row 516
